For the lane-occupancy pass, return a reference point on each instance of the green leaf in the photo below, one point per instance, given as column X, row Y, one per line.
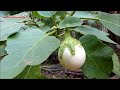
column 48, row 22
column 36, row 14
column 45, row 28
column 84, row 29
column 98, row 62
column 84, row 14
column 29, row 47
column 116, row 62
column 22, row 15
column 46, row 13
column 61, row 14
column 57, row 19
column 10, row 26
column 110, row 21
column 40, row 23
column 91, row 22
column 70, row 21
column 2, row 49
column 31, row 72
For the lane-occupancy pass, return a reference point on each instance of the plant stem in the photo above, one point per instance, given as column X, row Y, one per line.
column 50, row 33
column 53, row 21
column 67, row 33
column 90, row 18
column 33, row 19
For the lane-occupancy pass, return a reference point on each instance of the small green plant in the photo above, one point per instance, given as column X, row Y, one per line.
column 25, row 43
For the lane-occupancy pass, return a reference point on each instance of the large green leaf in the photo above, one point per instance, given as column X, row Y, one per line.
column 11, row 25
column 31, row 72
column 46, row 13
column 84, row 14
column 84, row 29
column 70, row 21
column 29, row 47
column 98, row 57
column 116, row 62
column 110, row 21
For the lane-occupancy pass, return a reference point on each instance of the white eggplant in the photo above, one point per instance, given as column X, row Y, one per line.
column 71, row 53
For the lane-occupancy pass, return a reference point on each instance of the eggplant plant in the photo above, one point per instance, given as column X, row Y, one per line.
column 25, row 43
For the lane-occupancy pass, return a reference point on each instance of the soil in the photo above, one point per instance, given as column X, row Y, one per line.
column 58, row 72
